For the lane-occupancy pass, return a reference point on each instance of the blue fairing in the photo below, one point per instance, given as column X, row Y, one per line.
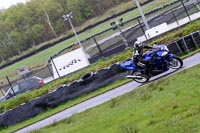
column 128, row 64
column 169, row 56
column 156, row 64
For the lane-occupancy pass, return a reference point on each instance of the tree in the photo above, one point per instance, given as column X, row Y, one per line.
column 26, row 25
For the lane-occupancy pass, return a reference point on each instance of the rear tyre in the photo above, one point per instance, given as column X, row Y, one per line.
column 175, row 62
column 140, row 77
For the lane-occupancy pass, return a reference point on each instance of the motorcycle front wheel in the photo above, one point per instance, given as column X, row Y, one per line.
column 175, row 62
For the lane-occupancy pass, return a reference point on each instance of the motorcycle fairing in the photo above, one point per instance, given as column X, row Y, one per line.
column 128, row 64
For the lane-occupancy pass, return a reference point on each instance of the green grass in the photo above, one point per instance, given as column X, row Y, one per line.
column 40, row 59
column 170, row 104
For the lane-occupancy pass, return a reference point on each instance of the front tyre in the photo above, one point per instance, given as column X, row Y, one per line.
column 175, row 62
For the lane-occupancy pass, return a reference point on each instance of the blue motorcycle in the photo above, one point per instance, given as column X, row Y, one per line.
column 161, row 61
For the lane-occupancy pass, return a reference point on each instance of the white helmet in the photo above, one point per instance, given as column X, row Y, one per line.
column 138, row 44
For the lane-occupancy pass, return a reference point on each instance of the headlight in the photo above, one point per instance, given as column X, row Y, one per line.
column 164, row 53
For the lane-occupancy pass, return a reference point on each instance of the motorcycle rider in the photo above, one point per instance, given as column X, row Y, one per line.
column 138, row 58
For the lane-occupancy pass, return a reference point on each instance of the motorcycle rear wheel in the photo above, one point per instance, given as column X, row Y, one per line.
column 143, row 78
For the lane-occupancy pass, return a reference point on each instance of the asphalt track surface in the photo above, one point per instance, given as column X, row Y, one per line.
column 187, row 63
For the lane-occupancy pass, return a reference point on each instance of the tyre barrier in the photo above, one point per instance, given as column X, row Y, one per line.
column 115, row 67
column 87, row 77
column 101, row 73
column 22, row 112
column 87, row 82
column 63, row 94
column 52, row 98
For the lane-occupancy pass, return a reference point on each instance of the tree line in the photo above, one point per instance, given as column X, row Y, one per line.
column 26, row 25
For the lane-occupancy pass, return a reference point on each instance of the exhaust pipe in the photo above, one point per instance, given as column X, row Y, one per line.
column 134, row 77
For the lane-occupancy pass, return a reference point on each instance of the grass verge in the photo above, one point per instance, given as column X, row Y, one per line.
column 170, row 104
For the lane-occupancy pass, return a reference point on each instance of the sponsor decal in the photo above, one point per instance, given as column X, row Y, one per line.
column 70, row 64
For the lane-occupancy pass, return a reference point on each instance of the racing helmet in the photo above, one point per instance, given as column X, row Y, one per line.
column 138, row 44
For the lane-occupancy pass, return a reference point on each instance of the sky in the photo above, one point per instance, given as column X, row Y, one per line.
column 4, row 4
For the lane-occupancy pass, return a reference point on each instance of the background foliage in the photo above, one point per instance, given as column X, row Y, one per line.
column 27, row 25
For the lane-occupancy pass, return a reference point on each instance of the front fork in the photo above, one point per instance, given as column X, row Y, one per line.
column 167, row 59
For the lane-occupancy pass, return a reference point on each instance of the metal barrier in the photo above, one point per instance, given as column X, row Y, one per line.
column 186, row 43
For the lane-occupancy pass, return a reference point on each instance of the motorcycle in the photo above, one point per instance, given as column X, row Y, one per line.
column 161, row 61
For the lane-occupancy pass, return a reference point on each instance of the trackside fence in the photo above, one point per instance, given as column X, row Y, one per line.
column 185, row 44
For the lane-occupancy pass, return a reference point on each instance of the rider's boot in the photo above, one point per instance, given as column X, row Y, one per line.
column 147, row 72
